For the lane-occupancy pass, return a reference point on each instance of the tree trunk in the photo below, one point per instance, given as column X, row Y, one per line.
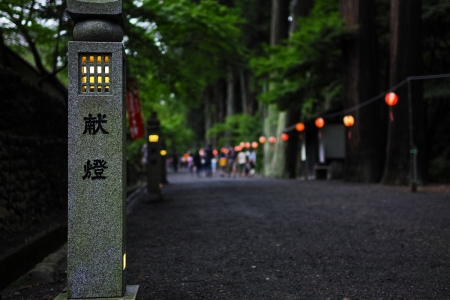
column 405, row 60
column 230, row 92
column 209, row 111
column 243, row 86
column 3, row 55
column 280, row 22
column 274, row 155
column 292, row 149
column 365, row 148
column 298, row 8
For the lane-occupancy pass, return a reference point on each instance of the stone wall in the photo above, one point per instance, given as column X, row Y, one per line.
column 33, row 154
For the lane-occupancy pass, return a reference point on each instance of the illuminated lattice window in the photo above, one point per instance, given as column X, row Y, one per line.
column 95, row 73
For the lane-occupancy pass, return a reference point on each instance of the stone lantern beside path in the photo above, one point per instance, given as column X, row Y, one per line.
column 154, row 161
column 96, row 260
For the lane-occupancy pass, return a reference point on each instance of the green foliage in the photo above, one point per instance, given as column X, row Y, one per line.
column 241, row 126
column 183, row 44
column 39, row 31
column 176, row 48
column 305, row 72
column 171, row 113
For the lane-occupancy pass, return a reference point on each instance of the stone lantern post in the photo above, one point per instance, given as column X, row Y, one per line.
column 96, row 260
column 153, row 155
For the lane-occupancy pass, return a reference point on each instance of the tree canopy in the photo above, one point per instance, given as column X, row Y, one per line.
column 208, row 69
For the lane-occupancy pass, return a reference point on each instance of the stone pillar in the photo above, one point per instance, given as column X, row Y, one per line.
column 153, row 155
column 97, row 166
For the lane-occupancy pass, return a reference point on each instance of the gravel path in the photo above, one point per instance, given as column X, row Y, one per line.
column 226, row 238
column 289, row 239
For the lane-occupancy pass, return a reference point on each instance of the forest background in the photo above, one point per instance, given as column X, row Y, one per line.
column 227, row 71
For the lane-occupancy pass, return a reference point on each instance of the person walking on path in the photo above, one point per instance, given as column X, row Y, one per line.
column 252, row 162
column 175, row 161
column 197, row 163
column 208, row 158
column 223, row 164
column 190, row 163
column 231, row 162
column 241, row 161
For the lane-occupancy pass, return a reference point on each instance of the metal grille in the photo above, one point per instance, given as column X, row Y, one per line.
column 95, row 73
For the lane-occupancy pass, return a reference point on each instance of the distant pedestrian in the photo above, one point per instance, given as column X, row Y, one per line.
column 175, row 161
column 197, row 163
column 144, row 154
column 231, row 159
column 190, row 163
column 213, row 165
column 222, row 164
column 252, row 161
column 208, row 158
column 241, row 161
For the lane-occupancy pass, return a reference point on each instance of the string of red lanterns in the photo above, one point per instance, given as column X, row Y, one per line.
column 391, row 100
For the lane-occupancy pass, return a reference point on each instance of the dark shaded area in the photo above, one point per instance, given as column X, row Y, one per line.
column 33, row 155
column 18, row 261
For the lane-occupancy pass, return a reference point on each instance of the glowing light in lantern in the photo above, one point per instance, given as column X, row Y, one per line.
column 215, row 152
column 320, row 122
column 247, row 145
column 262, row 139
column 254, row 145
column 237, row 148
column 300, row 127
column 272, row 139
column 284, row 137
column 391, row 99
column 349, row 121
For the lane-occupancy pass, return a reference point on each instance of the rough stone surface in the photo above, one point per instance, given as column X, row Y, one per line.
column 88, row 9
column 96, row 227
column 98, row 31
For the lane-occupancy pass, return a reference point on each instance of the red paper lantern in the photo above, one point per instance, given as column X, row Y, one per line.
column 242, row 144
column 349, row 121
column 237, row 148
column 247, row 145
column 300, row 127
column 320, row 122
column 215, row 152
column 254, row 145
column 262, row 139
column 391, row 99
column 272, row 139
column 284, row 137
